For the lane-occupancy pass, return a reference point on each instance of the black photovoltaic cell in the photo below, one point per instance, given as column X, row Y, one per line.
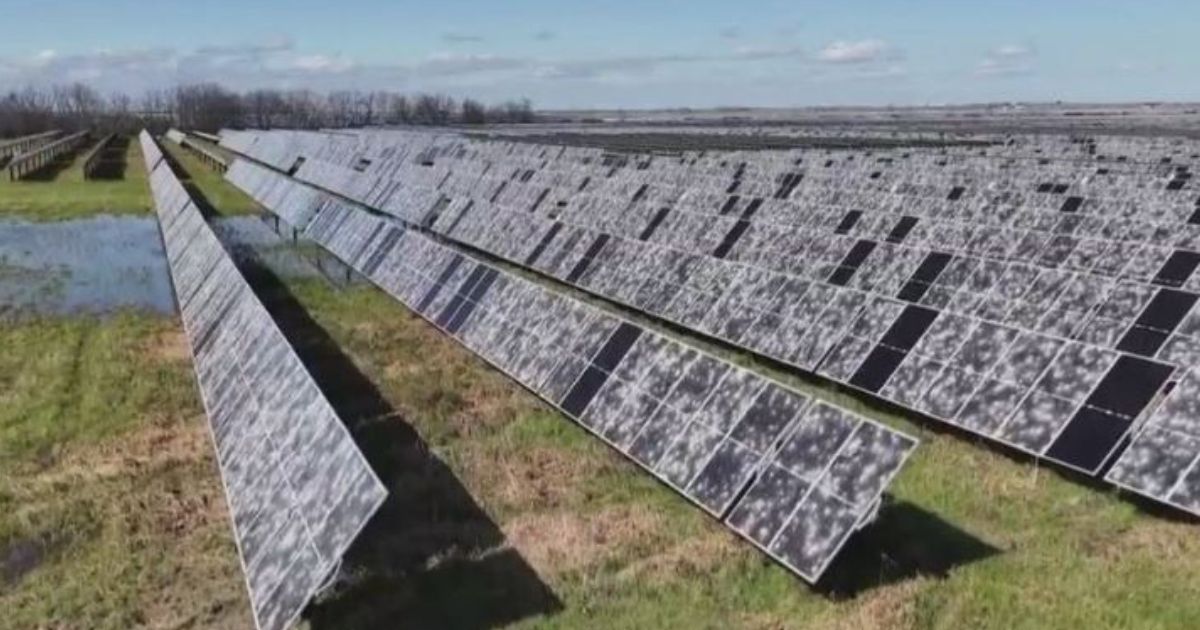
column 707, row 428
column 543, row 244
column 432, row 294
column 654, row 223
column 298, row 489
column 1178, row 269
column 907, row 330
column 1072, row 204
column 851, row 262
column 925, row 275
column 1130, row 385
column 1160, row 317
column 1089, row 439
column 877, row 368
column 586, row 261
column 731, row 238
column 730, row 204
column 848, row 222
column 903, row 227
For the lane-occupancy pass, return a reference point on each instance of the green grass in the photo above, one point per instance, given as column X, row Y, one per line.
column 223, row 198
column 111, row 512
column 1028, row 548
column 69, row 196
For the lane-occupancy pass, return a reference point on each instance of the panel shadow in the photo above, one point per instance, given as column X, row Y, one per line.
column 431, row 557
column 113, row 161
column 904, row 542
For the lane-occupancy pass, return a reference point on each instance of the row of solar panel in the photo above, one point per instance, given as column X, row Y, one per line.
column 298, row 489
column 1054, row 239
column 794, row 476
column 1129, row 316
column 802, row 322
column 762, row 172
column 673, row 179
column 1064, row 400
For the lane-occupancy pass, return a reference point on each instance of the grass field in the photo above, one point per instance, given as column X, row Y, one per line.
column 504, row 513
column 60, row 192
column 111, row 512
column 216, row 196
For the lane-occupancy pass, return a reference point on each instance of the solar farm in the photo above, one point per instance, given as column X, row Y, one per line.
column 817, row 374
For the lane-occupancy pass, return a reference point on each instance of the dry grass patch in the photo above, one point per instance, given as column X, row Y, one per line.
column 169, row 346
column 560, row 542
column 699, row 555
column 1152, row 539
column 530, row 478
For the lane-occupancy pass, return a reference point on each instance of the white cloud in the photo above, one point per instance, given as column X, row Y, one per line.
column 862, row 51
column 321, row 63
column 1010, row 51
column 1008, row 60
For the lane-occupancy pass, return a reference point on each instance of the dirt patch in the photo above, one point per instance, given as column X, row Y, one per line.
column 169, row 346
column 555, row 543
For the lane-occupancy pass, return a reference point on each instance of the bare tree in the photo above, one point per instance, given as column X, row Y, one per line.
column 210, row 107
column 206, row 107
column 433, row 109
column 399, row 110
column 473, row 112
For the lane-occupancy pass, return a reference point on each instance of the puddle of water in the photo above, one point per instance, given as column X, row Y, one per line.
column 93, row 265
column 250, row 238
column 101, row 264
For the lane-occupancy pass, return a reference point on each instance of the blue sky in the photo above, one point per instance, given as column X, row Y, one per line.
column 623, row 53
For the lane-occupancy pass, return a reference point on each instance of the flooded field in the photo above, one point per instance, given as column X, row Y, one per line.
column 95, row 265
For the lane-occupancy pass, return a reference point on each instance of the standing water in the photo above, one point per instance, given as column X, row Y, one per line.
column 93, row 265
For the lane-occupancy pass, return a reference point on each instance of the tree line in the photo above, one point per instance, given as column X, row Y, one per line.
column 211, row 107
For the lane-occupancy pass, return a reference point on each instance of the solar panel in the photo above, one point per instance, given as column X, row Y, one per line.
column 726, row 438
column 298, row 489
column 1051, row 297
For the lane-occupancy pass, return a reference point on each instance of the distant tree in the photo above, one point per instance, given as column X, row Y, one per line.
column 206, row 107
column 211, row 107
column 263, row 107
column 399, row 110
column 433, row 109
column 473, row 112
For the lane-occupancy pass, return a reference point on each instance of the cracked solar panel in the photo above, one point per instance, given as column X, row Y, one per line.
column 298, row 489
column 708, row 429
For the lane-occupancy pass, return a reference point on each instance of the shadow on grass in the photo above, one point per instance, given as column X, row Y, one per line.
column 51, row 171
column 431, row 557
column 904, row 542
column 113, row 160
column 207, row 209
